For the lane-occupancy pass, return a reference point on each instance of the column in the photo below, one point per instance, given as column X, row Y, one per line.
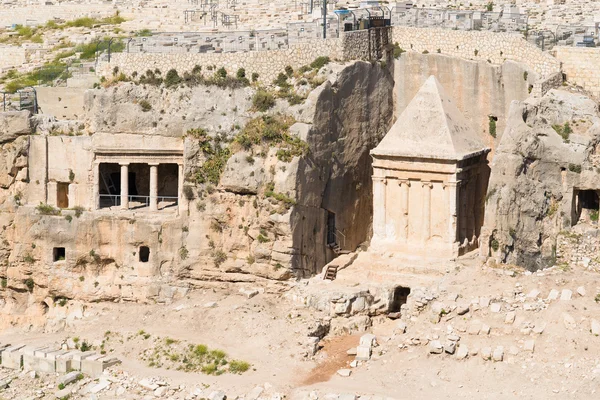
column 450, row 188
column 426, row 210
column 470, row 210
column 379, row 193
column 404, row 185
column 124, row 185
column 462, row 211
column 153, row 187
column 96, row 192
column 180, row 201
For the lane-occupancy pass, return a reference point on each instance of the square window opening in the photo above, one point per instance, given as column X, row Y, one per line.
column 58, row 254
column 144, row 253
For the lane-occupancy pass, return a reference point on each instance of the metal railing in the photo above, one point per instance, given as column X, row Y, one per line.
column 137, row 201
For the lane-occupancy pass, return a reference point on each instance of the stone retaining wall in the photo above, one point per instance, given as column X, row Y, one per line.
column 268, row 64
column 477, row 45
column 580, row 65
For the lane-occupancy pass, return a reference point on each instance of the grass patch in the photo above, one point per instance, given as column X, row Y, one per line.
column 563, row 130
column 47, row 209
column 181, row 356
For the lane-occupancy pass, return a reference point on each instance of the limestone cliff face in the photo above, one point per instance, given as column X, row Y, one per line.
column 539, row 169
column 265, row 217
column 479, row 89
column 351, row 116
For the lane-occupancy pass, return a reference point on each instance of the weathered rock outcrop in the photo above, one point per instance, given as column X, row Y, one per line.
column 14, row 124
column 540, row 168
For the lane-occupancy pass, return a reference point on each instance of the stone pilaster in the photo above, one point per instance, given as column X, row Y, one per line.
column 379, row 194
column 427, row 186
column 153, row 187
column 124, row 185
column 404, row 205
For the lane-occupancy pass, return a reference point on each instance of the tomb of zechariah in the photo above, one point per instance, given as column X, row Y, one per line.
column 430, row 177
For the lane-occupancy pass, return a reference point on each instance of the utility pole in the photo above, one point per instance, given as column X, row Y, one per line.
column 324, row 19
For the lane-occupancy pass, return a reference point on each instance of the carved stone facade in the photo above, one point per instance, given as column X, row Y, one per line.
column 430, row 177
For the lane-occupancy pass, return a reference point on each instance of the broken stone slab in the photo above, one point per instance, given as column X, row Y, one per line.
column 69, row 378
column 217, row 395
column 498, row 354
column 529, row 345
column 581, row 291
column 462, row 309
column 462, row 352
column 450, row 347
column 595, row 327
column 368, row 340
column 553, row 295
column 569, row 321
column 401, row 327
column 210, row 304
column 161, row 391
column 566, row 294
column 495, row 307
column 255, row 393
column 100, row 386
column 12, row 357
column 344, row 372
column 510, row 317
column 539, row 328
column 485, row 329
column 149, row 385
column 484, row 302
column 474, row 328
column 533, row 294
column 486, row 353
column 351, row 352
column 435, row 347
column 249, row 293
column 63, row 393
column 94, row 365
column 363, row 353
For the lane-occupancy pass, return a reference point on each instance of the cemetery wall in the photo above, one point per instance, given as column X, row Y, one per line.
column 580, row 65
column 11, row 56
column 268, row 64
column 494, row 47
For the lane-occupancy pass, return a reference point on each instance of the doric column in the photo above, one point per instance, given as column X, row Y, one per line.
column 379, row 193
column 462, row 211
column 124, row 185
column 450, row 188
column 426, row 210
column 180, row 203
column 470, row 193
column 96, row 191
column 404, row 187
column 153, row 187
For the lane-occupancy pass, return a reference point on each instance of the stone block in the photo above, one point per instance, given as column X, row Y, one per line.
column 363, row 353
column 595, row 328
column 78, row 356
column 344, row 372
column 69, row 378
column 553, row 295
column 462, row 352
column 498, row 354
column 368, row 340
column 529, row 345
column 12, row 357
column 30, row 360
column 95, row 364
column 566, row 294
column 486, row 353
column 64, row 362
column 435, row 347
column 496, row 307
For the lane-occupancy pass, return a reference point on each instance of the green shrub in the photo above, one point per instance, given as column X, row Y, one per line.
column 238, row 367
column 281, row 80
column 495, row 245
column 221, row 73
column 319, row 62
column 262, row 100
column 145, row 105
column 254, row 76
column 47, row 209
column 563, row 130
column 29, row 283
column 172, row 78
column 219, row 257
column 492, row 126
column 594, row 215
column 397, row 52
column 289, row 71
column 575, row 168
column 241, row 73
column 183, row 253
column 4, row 282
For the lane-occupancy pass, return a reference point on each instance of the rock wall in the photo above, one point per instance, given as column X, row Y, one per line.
column 268, row 64
column 351, row 116
column 479, row 90
column 536, row 175
column 265, row 219
column 580, row 65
